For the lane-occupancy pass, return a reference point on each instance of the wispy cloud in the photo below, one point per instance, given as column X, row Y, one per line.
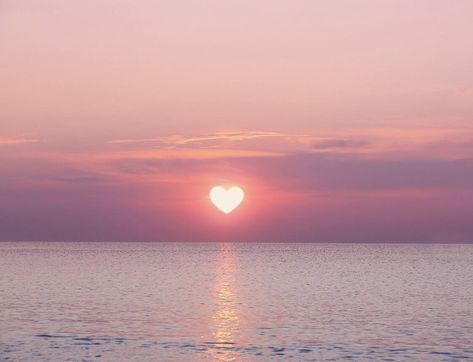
column 227, row 136
column 17, row 141
column 385, row 142
column 190, row 154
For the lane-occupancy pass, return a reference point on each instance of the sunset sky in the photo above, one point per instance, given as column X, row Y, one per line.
column 342, row 120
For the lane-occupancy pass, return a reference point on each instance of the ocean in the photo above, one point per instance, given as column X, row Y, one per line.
column 110, row 301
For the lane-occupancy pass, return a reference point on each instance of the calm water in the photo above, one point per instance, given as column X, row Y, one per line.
column 235, row 302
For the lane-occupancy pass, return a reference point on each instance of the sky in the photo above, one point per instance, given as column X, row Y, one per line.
column 343, row 121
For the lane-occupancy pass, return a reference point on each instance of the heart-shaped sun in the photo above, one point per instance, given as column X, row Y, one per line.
column 226, row 200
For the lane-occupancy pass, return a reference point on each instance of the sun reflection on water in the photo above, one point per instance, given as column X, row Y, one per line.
column 226, row 321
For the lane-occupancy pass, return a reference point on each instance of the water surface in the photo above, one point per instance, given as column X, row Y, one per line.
column 235, row 302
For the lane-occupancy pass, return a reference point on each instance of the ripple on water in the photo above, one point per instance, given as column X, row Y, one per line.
column 231, row 302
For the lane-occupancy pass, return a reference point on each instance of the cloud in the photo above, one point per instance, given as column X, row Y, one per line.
column 316, row 173
column 202, row 140
column 300, row 197
column 306, row 196
column 374, row 142
column 17, row 141
column 334, row 143
column 311, row 173
column 190, row 154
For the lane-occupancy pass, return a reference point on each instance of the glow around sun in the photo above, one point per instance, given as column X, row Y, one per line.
column 226, row 199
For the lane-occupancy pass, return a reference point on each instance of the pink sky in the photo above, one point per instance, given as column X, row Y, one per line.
column 342, row 120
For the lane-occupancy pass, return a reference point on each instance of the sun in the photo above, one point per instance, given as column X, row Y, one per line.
column 226, row 199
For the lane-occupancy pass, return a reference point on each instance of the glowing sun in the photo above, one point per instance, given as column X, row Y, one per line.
column 226, row 200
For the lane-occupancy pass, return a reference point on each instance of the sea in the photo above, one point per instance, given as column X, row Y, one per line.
column 114, row 301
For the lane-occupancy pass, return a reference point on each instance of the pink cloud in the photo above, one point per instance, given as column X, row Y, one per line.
column 17, row 141
column 302, row 196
